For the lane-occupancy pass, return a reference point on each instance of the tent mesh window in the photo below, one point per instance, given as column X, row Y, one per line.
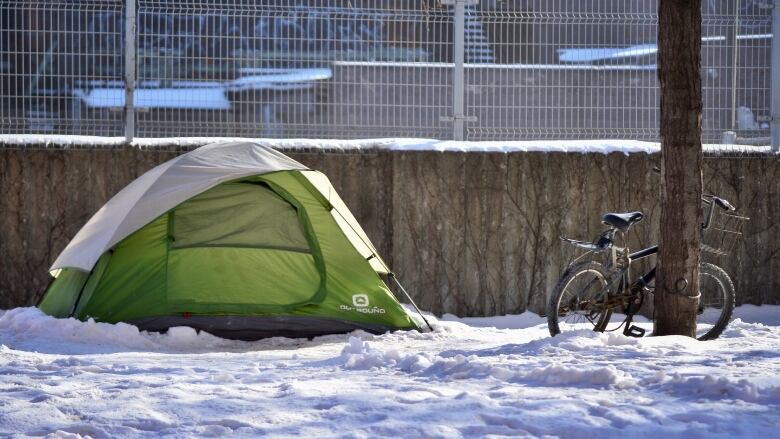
column 238, row 215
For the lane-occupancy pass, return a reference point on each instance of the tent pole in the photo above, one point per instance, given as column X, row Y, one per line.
column 410, row 300
column 81, row 291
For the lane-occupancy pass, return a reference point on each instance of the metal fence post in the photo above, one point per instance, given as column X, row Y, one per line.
column 774, row 86
column 458, row 74
column 130, row 67
column 458, row 70
column 733, row 55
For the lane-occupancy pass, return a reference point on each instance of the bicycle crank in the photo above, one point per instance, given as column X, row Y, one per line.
column 633, row 307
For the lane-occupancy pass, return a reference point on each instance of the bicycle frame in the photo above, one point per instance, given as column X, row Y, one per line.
column 606, row 241
column 641, row 254
column 631, row 295
column 619, row 291
column 648, row 277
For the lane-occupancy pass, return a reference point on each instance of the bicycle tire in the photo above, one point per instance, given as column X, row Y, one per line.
column 725, row 297
column 556, row 297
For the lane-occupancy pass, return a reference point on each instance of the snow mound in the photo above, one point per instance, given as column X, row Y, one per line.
column 764, row 314
column 510, row 321
column 32, row 325
column 359, row 354
column 557, row 375
column 712, row 387
column 739, row 328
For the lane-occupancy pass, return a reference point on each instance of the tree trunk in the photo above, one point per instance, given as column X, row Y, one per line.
column 679, row 62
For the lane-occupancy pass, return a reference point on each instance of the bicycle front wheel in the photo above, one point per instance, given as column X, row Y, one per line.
column 716, row 303
column 580, row 298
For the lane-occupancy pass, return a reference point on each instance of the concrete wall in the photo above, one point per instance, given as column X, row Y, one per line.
column 468, row 233
column 477, row 234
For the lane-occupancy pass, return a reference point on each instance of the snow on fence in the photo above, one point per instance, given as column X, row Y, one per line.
column 515, row 70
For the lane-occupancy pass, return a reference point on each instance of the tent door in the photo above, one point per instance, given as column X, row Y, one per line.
column 238, row 248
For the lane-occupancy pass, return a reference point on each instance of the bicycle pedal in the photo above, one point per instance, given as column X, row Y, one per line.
column 634, row 331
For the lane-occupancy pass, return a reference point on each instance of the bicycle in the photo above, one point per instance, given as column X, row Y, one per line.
column 598, row 283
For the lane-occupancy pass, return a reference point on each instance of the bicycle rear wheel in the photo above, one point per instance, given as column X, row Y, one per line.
column 716, row 303
column 579, row 298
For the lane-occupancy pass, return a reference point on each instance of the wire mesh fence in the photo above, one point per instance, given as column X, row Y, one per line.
column 534, row 69
column 291, row 69
column 49, row 52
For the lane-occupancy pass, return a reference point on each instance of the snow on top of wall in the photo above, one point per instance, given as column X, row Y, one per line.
column 185, row 142
column 604, row 146
column 582, row 146
column 56, row 140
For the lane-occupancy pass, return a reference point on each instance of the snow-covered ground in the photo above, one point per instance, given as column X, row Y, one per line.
column 500, row 376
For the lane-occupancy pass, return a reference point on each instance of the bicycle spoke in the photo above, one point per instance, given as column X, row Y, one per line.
column 583, row 298
column 713, row 303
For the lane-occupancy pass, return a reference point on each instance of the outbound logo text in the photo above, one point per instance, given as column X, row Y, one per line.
column 361, row 304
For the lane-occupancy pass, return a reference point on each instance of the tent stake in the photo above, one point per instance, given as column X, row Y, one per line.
column 410, row 300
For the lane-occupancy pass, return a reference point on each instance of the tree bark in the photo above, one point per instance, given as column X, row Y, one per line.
column 679, row 65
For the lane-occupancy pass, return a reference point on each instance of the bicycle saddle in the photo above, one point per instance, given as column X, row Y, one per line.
column 622, row 221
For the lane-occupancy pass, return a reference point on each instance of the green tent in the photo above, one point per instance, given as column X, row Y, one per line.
column 235, row 239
